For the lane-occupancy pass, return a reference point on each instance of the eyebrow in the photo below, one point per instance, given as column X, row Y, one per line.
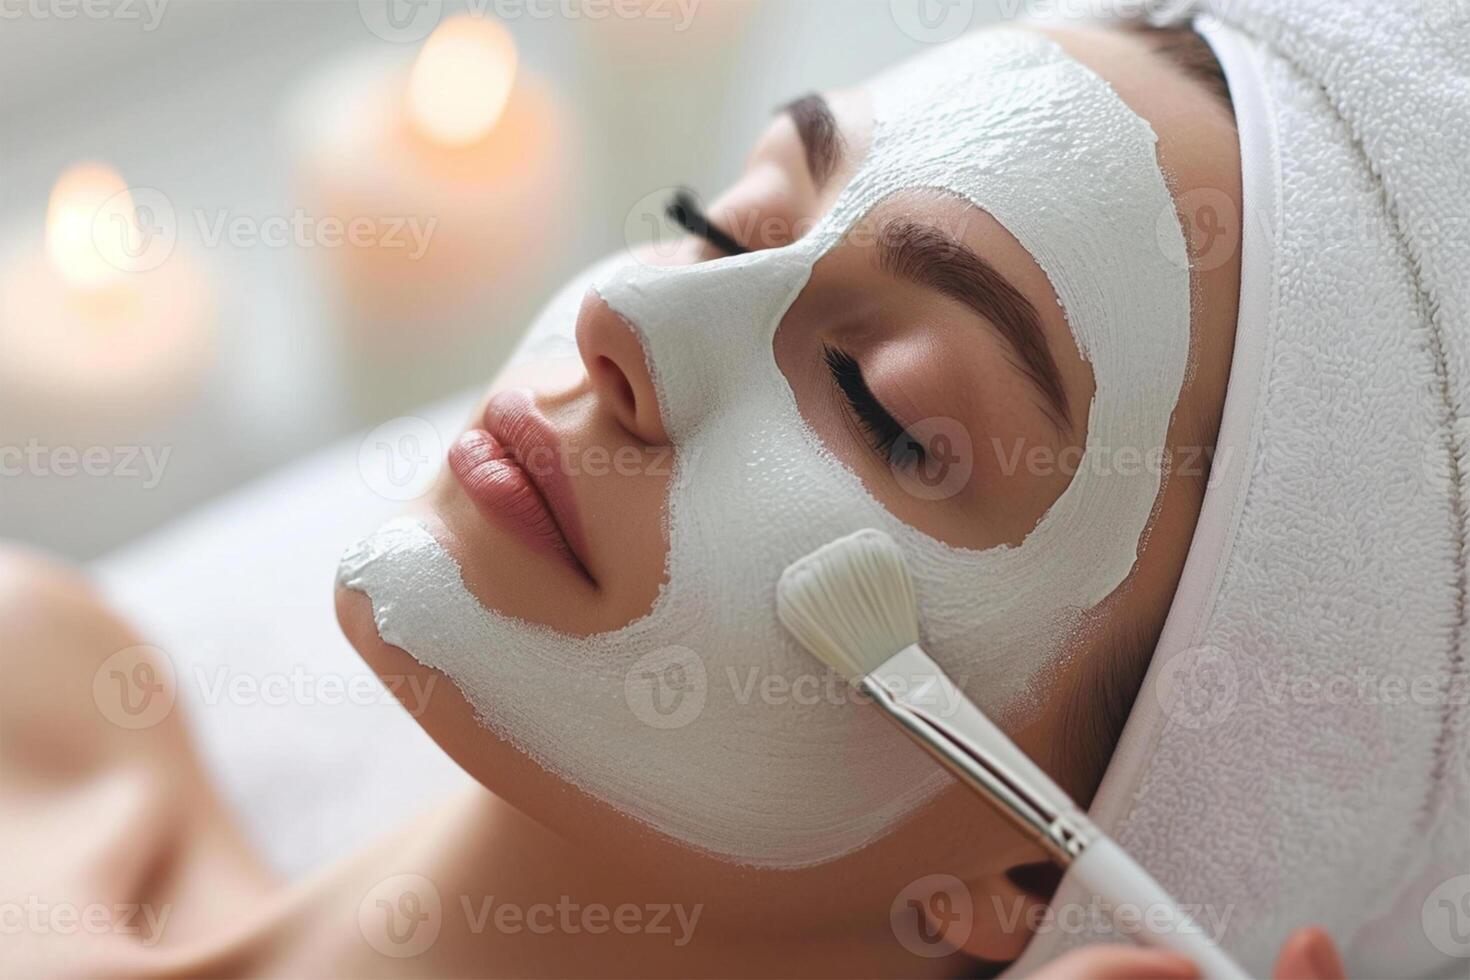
column 929, row 257
column 816, row 126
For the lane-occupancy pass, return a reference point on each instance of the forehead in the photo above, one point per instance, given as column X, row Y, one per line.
column 1006, row 120
column 959, row 110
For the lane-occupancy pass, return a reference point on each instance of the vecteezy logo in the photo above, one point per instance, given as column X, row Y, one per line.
column 648, row 231
column 932, row 21
column 666, row 688
column 932, row 916
column 1446, row 917
column 400, row 21
column 136, row 229
column 134, row 688
column 401, row 916
column 1198, row 687
column 400, row 459
column 1211, row 225
column 1164, row 12
column 933, row 459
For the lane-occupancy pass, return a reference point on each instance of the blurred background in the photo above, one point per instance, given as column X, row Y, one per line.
column 233, row 231
column 258, row 257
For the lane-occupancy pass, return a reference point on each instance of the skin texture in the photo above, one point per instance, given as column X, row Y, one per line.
column 538, row 838
column 609, row 400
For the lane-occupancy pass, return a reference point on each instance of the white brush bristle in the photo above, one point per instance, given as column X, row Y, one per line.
column 850, row 602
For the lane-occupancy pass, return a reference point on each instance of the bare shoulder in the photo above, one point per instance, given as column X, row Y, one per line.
column 38, row 591
column 81, row 686
column 102, row 800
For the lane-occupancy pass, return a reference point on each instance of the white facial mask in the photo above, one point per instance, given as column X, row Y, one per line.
column 703, row 718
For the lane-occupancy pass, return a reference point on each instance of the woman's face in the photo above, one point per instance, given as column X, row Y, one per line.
column 896, row 343
column 925, row 350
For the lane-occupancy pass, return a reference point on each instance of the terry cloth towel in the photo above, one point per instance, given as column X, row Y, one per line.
column 1298, row 752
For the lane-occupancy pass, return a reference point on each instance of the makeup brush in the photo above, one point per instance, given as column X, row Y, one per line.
column 851, row 603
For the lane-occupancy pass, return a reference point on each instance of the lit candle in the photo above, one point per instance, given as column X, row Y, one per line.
column 461, row 81
column 451, row 168
column 104, row 321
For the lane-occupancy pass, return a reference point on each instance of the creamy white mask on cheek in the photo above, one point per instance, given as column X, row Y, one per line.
column 703, row 718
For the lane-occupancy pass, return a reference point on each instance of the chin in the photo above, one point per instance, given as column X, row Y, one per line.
column 355, row 618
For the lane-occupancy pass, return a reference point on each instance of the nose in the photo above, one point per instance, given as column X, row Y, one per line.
column 618, row 367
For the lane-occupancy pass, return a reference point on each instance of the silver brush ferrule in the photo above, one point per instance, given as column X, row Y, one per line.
column 1063, row 833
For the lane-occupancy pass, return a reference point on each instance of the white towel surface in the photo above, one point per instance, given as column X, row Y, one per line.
column 1298, row 753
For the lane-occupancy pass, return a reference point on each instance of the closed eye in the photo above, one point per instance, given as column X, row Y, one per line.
column 889, row 439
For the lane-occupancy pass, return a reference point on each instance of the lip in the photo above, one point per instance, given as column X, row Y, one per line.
column 511, row 469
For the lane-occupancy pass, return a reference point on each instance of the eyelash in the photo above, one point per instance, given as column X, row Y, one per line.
column 884, row 431
column 685, row 211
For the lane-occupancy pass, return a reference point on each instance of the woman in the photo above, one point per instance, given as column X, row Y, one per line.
column 605, row 846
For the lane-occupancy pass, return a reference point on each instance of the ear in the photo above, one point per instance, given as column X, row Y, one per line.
column 1007, row 908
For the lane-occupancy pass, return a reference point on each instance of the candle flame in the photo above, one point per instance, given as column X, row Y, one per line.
column 461, row 80
column 91, row 229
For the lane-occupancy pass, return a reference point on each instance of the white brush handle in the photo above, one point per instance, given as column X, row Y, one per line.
column 917, row 683
column 933, row 710
column 1109, row 872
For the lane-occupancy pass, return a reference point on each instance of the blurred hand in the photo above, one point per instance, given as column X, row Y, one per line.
column 1307, row 954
